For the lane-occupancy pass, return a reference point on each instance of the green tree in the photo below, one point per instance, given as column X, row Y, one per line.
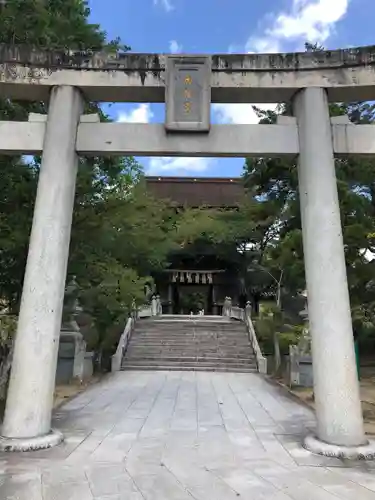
column 118, row 237
column 275, row 183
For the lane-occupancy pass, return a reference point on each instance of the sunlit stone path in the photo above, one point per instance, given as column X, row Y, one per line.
column 183, row 436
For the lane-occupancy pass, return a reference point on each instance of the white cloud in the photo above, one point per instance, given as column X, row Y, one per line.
column 178, row 166
column 175, row 47
column 237, row 113
column 307, row 20
column 159, row 165
column 166, row 4
column 140, row 114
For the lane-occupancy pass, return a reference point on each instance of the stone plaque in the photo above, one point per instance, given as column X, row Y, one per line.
column 188, row 93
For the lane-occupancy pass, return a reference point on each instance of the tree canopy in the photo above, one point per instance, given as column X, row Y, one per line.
column 119, row 234
column 275, row 184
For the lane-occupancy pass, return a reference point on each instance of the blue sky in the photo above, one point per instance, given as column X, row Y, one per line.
column 221, row 26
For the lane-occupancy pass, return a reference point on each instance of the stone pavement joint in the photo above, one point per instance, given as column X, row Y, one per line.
column 183, row 436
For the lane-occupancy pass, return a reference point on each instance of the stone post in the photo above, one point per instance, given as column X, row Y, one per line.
column 170, row 298
column 159, row 307
column 248, row 308
column 293, row 366
column 227, row 307
column 27, row 422
column 338, row 407
column 154, row 307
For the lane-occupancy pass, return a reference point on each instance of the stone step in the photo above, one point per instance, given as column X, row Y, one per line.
column 162, row 336
column 207, row 364
column 194, row 352
column 196, row 340
column 190, row 326
column 178, row 343
column 192, row 335
column 184, row 318
column 192, row 345
column 190, row 359
column 223, row 351
column 191, row 355
column 183, row 344
column 198, row 368
column 176, row 325
column 189, row 337
column 175, row 341
column 193, row 331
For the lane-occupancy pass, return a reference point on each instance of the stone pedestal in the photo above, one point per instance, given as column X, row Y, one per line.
column 71, row 357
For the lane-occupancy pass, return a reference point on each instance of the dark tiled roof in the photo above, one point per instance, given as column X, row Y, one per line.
column 195, row 192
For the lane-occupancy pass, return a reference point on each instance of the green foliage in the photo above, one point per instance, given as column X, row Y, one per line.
column 119, row 235
column 110, row 304
column 8, row 326
column 273, row 321
column 52, row 24
column 273, row 183
column 192, row 302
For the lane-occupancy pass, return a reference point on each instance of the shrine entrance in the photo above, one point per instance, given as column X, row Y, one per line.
column 192, row 299
column 188, row 85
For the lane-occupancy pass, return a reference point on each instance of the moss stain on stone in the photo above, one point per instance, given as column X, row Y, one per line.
column 132, row 64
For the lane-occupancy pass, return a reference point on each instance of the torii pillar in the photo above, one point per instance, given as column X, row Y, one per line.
column 340, row 430
column 27, row 422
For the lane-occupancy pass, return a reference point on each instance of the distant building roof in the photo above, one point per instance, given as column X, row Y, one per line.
column 198, row 191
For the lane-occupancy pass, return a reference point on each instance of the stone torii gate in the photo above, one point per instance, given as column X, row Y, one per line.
column 188, row 85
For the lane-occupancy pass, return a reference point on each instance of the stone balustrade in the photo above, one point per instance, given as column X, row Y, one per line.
column 122, row 345
column 244, row 315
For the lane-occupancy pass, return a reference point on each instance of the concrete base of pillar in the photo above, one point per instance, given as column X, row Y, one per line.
column 49, row 440
column 364, row 452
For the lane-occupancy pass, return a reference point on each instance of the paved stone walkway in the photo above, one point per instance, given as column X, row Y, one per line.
column 183, row 436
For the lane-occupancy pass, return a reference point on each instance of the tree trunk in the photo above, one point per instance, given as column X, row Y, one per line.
column 276, row 347
column 276, row 343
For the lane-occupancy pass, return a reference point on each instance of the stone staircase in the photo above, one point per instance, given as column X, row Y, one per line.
column 209, row 343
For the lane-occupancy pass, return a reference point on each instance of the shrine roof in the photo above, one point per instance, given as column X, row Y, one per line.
column 198, row 191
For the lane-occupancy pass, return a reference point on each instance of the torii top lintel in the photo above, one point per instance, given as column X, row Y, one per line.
column 29, row 73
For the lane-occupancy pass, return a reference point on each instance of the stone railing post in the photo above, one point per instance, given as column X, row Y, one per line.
column 227, row 307
column 294, row 365
column 159, row 307
column 248, row 308
column 154, row 306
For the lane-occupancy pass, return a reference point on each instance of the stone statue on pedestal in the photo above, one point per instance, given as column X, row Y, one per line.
column 72, row 346
column 304, row 344
column 227, row 306
column 71, row 307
